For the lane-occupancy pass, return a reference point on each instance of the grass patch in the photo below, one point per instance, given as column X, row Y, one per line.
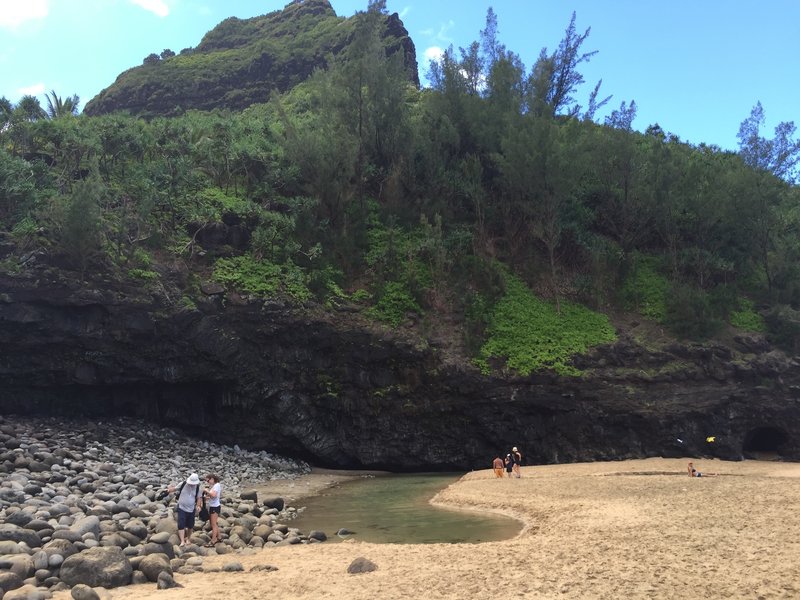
column 394, row 304
column 746, row 318
column 262, row 278
column 531, row 335
column 645, row 290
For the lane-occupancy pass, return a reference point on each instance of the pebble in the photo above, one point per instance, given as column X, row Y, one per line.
column 69, row 486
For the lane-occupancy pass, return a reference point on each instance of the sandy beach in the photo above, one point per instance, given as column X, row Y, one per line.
column 632, row 529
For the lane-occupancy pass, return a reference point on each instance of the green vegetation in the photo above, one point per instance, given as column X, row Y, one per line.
column 531, row 335
column 428, row 209
column 746, row 318
column 394, row 304
column 261, row 278
column 238, row 63
column 645, row 290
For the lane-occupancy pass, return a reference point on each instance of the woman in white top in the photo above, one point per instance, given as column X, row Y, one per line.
column 214, row 495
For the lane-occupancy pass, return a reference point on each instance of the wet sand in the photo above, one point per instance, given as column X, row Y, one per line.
column 309, row 484
column 632, row 529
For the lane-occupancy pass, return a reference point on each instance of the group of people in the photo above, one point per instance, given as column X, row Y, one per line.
column 191, row 497
column 511, row 464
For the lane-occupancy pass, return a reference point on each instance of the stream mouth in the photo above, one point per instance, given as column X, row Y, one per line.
column 395, row 509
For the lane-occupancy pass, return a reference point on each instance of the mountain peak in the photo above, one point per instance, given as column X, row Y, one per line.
column 241, row 61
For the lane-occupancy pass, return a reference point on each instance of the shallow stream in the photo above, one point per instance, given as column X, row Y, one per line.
column 395, row 509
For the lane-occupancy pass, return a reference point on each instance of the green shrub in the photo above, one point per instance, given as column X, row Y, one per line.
column 24, row 232
column 531, row 335
column 361, row 296
column 746, row 318
column 394, row 304
column 262, row 278
column 143, row 274
column 690, row 313
column 645, row 289
column 783, row 327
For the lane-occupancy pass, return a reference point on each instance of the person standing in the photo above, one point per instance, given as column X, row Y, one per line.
column 189, row 502
column 517, row 457
column 214, row 495
column 509, row 462
column 497, row 465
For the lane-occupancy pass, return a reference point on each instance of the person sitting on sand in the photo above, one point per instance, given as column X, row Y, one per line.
column 695, row 473
column 214, row 495
column 497, row 465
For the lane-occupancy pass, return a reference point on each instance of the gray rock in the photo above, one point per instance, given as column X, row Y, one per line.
column 54, row 561
column 139, row 577
column 275, row 502
column 68, row 535
column 107, row 567
column 88, row 524
column 21, row 564
column 57, row 546
column 153, row 548
column 166, row 581
column 137, row 528
column 249, row 495
column 15, row 533
column 160, row 538
column 9, row 581
column 38, row 525
column 20, row 518
column 114, row 539
column 39, row 559
column 10, row 547
column 168, row 525
column 361, row 565
column 232, row 567
column 84, row 592
column 27, row 592
column 154, row 564
column 318, row 535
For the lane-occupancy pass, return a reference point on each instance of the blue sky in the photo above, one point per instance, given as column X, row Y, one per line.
column 695, row 67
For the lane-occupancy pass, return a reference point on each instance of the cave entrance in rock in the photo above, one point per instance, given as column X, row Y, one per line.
column 765, row 443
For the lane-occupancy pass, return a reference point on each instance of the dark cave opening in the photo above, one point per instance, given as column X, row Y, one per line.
column 764, row 440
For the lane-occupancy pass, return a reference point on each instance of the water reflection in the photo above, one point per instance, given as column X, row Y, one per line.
column 395, row 509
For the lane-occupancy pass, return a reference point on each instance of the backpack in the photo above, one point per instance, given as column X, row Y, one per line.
column 180, row 489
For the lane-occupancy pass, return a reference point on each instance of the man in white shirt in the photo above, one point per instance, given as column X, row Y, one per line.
column 190, row 499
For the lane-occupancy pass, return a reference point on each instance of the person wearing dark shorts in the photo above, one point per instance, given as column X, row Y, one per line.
column 214, row 495
column 509, row 465
column 189, row 501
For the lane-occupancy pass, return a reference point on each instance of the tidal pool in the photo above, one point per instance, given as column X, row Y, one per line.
column 395, row 509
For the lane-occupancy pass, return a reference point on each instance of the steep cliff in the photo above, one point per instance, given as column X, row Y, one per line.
column 332, row 388
column 241, row 61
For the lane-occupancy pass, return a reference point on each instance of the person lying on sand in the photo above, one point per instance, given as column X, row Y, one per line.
column 695, row 473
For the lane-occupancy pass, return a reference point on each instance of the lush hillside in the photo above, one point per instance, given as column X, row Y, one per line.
column 490, row 212
column 242, row 61
column 372, row 275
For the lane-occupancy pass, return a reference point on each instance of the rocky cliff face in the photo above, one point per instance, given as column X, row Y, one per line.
column 338, row 392
column 241, row 61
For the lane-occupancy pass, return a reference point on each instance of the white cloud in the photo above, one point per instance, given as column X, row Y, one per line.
column 443, row 34
column 157, row 7
column 433, row 53
column 405, row 11
column 32, row 90
column 14, row 13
